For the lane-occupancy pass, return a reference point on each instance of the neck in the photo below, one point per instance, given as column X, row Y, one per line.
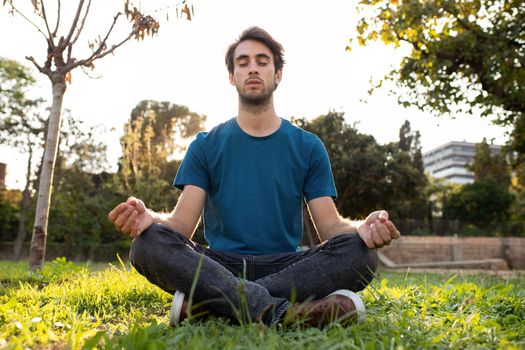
column 259, row 120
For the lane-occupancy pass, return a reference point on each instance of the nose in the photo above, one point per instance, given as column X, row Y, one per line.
column 254, row 69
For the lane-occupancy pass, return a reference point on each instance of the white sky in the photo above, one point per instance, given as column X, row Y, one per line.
column 184, row 64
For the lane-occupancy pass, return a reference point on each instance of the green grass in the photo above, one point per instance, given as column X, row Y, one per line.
column 69, row 306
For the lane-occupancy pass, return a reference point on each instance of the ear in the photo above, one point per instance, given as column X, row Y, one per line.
column 278, row 76
column 232, row 78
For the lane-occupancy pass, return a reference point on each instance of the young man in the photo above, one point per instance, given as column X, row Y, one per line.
column 248, row 176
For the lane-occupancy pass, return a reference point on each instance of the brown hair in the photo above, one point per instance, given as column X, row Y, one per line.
column 262, row 36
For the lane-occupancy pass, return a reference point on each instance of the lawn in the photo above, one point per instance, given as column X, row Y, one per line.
column 72, row 306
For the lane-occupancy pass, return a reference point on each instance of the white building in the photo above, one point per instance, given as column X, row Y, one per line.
column 448, row 161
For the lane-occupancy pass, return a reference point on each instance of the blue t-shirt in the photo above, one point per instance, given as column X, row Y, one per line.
column 255, row 185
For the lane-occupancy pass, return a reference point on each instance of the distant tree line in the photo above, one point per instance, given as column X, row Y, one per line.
column 368, row 175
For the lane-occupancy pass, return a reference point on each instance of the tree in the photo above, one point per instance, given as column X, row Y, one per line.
column 407, row 180
column 57, row 67
column 487, row 201
column 154, row 133
column 517, row 210
column 465, row 56
column 487, row 165
column 21, row 128
column 480, row 204
column 358, row 163
column 368, row 176
column 9, row 200
column 410, row 143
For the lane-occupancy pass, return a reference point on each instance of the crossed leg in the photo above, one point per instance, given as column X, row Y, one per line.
column 171, row 261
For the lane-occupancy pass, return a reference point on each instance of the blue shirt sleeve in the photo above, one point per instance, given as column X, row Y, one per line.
column 319, row 180
column 193, row 170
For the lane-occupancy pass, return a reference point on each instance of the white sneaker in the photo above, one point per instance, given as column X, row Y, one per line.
column 358, row 302
column 176, row 308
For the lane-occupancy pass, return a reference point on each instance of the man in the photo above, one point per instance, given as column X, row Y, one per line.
column 248, row 176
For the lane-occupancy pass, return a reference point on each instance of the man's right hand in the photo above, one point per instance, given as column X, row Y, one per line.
column 131, row 218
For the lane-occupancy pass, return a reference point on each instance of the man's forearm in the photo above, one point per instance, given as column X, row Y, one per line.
column 340, row 227
column 168, row 219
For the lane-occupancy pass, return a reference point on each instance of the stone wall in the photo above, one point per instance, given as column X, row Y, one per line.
column 423, row 249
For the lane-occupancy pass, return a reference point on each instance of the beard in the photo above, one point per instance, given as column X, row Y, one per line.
column 256, row 102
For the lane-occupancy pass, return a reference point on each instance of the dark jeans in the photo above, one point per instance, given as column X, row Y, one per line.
column 264, row 285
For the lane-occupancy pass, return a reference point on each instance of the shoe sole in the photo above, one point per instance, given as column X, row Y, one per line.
column 358, row 302
column 176, row 308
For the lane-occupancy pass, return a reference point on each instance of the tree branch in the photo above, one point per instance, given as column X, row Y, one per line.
column 43, row 70
column 99, row 52
column 69, row 52
column 27, row 19
column 466, row 25
column 96, row 56
column 74, row 24
column 58, row 19
column 44, row 17
column 82, row 23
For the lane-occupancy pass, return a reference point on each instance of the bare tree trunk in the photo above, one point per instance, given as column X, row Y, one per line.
column 38, row 240
column 26, row 197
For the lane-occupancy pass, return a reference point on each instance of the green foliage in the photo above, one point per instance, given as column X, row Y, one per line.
column 407, row 180
column 116, row 308
column 15, row 80
column 21, row 125
column 155, row 131
column 486, row 203
column 488, row 166
column 9, row 208
column 370, row 176
column 465, row 56
column 60, row 270
column 358, row 163
column 517, row 189
column 78, row 218
column 481, row 203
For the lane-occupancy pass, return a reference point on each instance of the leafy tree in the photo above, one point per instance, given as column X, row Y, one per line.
column 15, row 80
column 487, row 201
column 78, row 216
column 487, row 165
column 481, row 204
column 9, row 209
column 465, row 56
column 410, row 142
column 368, row 176
column 21, row 128
column 405, row 137
column 436, row 193
column 407, row 180
column 154, row 133
column 358, row 163
column 517, row 209
column 58, row 65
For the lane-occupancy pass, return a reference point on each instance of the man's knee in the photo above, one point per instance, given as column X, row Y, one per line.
column 149, row 245
column 143, row 245
column 366, row 259
column 356, row 255
column 371, row 260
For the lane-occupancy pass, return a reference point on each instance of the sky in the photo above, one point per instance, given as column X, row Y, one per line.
column 184, row 64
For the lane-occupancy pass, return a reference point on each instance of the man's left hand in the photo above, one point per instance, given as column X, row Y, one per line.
column 377, row 231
